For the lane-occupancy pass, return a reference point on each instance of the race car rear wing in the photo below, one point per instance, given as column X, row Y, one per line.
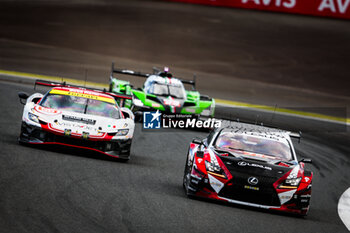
column 156, row 71
column 190, row 82
column 296, row 135
column 127, row 72
column 120, row 97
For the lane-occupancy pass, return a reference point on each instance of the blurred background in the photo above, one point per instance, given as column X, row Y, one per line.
column 274, row 59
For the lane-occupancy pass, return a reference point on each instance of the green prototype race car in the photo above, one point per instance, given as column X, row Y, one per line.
column 161, row 91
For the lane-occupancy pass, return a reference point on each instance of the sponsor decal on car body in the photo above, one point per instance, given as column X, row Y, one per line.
column 243, row 164
column 83, row 93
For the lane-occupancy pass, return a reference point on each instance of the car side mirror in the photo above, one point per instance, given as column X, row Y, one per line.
column 200, row 153
column 22, row 97
column 127, row 113
column 197, row 141
column 306, row 160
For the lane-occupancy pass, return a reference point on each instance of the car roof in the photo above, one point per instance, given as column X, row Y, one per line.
column 165, row 80
column 257, row 130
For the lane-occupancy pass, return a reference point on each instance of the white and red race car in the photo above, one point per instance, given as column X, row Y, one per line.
column 78, row 117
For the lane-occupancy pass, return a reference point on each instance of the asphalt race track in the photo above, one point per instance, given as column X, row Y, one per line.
column 61, row 190
column 64, row 191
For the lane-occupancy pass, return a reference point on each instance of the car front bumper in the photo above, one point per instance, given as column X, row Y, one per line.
column 35, row 135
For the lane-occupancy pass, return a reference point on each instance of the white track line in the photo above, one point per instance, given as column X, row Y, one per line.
column 344, row 208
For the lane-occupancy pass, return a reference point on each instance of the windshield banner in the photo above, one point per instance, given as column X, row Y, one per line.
column 326, row 8
column 83, row 93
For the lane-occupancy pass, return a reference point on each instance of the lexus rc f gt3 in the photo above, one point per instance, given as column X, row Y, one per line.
column 249, row 165
column 77, row 117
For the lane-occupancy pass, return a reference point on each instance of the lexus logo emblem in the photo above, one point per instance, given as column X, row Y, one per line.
column 242, row 163
column 253, row 180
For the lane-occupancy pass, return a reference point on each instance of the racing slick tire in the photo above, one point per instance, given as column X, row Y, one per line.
column 186, row 178
column 126, row 153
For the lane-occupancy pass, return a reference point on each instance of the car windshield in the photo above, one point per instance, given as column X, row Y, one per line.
column 167, row 90
column 254, row 146
column 80, row 105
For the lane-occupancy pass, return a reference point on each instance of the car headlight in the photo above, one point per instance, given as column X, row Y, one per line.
column 137, row 102
column 208, row 111
column 292, row 181
column 33, row 117
column 122, row 132
column 214, row 168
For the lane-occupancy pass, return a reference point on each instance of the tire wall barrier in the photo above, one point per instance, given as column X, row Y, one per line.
column 325, row 8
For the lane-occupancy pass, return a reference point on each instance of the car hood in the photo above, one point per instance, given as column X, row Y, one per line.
column 171, row 104
column 248, row 167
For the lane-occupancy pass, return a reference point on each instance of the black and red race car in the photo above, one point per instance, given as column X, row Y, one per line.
column 249, row 165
